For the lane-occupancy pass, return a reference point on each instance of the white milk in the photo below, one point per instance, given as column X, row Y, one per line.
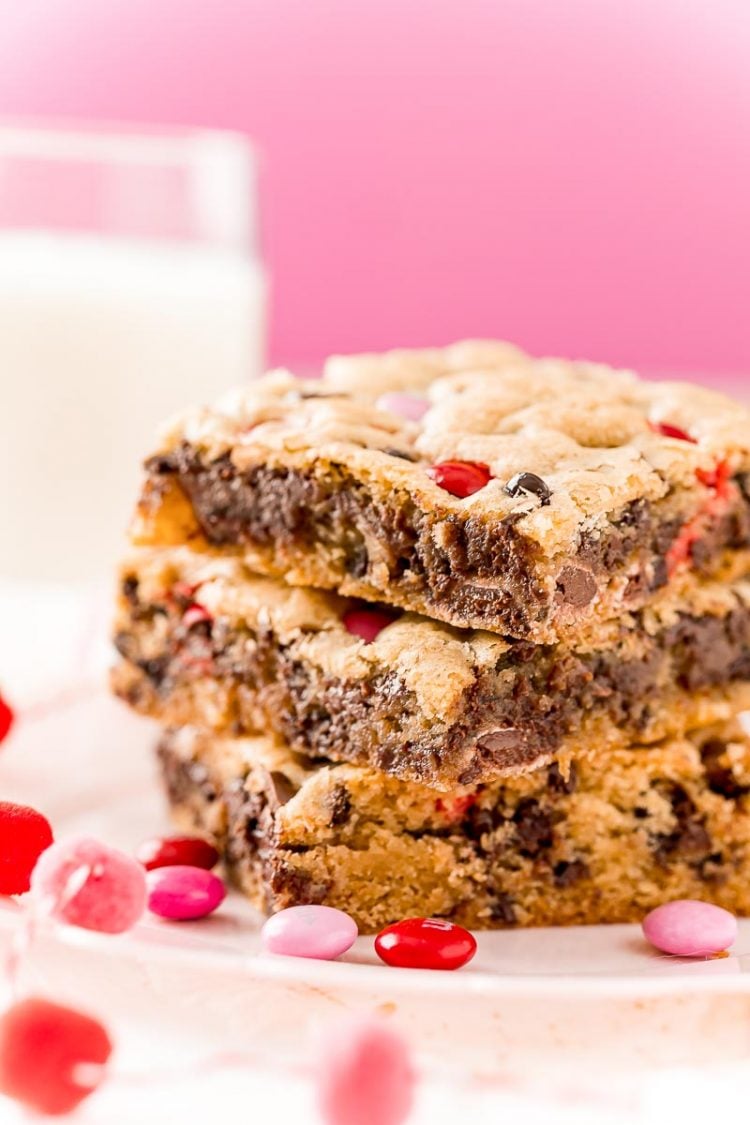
column 101, row 340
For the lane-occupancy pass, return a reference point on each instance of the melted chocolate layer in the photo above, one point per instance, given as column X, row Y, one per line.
column 515, row 714
column 467, row 569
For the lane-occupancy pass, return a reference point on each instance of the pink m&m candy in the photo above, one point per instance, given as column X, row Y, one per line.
column 687, row 928
column 85, row 883
column 367, row 622
column 425, row 943
column 320, row 932
column 184, row 893
column 406, row 406
column 365, row 1075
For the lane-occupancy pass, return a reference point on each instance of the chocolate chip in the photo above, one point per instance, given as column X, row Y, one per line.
column 160, row 466
column 130, row 589
column 357, row 560
column 719, row 777
column 281, row 788
column 659, row 574
column 531, row 484
column 295, row 887
column 502, row 910
column 496, row 741
column 156, row 669
column 689, row 841
column 403, row 454
column 577, row 587
column 567, row 872
column 559, row 784
column 713, row 868
column 533, row 827
column 478, row 822
column 339, row 803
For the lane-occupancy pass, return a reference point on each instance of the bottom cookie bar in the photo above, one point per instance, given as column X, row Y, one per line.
column 600, row 843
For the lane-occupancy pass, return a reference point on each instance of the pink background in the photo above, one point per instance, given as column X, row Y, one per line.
column 573, row 174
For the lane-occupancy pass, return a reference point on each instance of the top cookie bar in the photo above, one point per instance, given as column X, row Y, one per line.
column 473, row 484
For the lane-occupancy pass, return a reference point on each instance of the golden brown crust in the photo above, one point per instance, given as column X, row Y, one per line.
column 595, row 844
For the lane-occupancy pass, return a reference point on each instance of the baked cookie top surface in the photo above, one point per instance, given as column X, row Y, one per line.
column 597, row 438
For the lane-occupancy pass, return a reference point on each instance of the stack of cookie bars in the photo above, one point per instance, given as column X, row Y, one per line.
column 453, row 632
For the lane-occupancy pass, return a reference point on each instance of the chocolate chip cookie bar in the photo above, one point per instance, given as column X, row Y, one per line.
column 600, row 842
column 205, row 641
column 474, row 485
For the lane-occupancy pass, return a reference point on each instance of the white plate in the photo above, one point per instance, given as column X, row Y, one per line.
column 88, row 766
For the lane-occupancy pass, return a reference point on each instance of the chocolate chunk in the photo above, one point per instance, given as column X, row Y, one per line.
column 559, row 784
column 130, row 590
column 529, row 483
column 567, row 872
column 719, row 777
column 689, row 841
column 659, row 574
column 713, row 868
column 478, row 822
column 502, row 909
column 159, row 466
column 280, row 788
column 156, row 669
column 533, row 827
column 340, row 805
column 497, row 741
column 693, row 840
column 577, row 587
column 295, row 887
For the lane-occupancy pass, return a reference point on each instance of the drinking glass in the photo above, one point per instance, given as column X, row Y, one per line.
column 131, row 285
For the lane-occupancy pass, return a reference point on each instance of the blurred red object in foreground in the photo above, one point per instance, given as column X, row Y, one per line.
column 365, row 1075
column 51, row 1057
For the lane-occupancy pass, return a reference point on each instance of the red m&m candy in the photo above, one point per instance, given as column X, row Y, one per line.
column 177, row 851
column 667, row 430
column 367, row 622
column 460, row 478
column 24, row 835
column 425, row 943
column 51, row 1057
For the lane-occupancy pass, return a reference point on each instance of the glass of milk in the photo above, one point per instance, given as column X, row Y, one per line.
column 130, row 286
